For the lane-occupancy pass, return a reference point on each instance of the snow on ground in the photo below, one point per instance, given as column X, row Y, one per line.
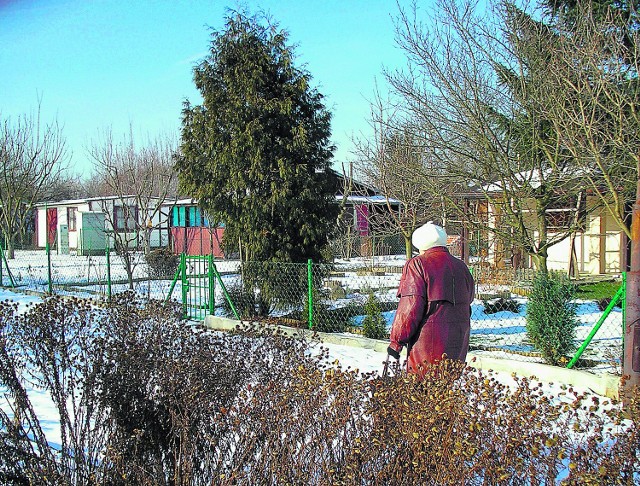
column 502, row 334
column 23, row 300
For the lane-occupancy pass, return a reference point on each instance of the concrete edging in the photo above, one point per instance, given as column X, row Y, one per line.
column 605, row 385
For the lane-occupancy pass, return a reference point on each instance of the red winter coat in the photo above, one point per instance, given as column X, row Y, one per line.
column 434, row 313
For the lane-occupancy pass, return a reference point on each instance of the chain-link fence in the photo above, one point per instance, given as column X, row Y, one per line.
column 94, row 275
column 349, row 246
column 352, row 296
column 355, row 295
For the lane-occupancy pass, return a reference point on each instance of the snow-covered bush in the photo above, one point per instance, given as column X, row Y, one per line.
column 145, row 398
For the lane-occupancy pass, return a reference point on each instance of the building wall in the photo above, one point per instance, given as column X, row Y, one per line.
column 197, row 241
column 159, row 236
column 598, row 250
column 191, row 234
column 41, row 227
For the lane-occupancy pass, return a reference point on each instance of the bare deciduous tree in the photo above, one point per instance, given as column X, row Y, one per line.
column 474, row 90
column 396, row 163
column 33, row 156
column 599, row 74
column 139, row 180
column 597, row 68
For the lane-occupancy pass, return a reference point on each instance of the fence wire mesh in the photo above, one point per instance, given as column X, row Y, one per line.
column 88, row 276
column 353, row 295
column 358, row 296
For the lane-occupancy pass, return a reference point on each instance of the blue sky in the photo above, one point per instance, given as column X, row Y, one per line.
column 98, row 64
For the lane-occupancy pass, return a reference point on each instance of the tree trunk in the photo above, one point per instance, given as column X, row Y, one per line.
column 128, row 265
column 11, row 248
column 631, row 364
column 147, row 240
column 540, row 261
column 129, row 274
column 408, row 247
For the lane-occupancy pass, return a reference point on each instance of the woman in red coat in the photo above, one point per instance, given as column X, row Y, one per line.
column 434, row 313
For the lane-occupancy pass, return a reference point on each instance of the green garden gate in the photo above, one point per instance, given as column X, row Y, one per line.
column 198, row 275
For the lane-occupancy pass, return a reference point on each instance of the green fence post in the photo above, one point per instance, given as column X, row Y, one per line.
column 3, row 258
column 595, row 329
column 226, row 294
column 183, row 267
column 47, row 248
column 212, row 282
column 310, row 291
column 108, row 255
column 173, row 283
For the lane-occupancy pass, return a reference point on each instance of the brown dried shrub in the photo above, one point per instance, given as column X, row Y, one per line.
column 160, row 401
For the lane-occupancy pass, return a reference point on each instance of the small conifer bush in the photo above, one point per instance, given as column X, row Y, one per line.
column 551, row 316
column 244, row 301
column 374, row 325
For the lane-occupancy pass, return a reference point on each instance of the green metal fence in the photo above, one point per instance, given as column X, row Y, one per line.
column 200, row 280
column 197, row 285
column 98, row 274
column 341, row 297
column 344, row 297
column 618, row 298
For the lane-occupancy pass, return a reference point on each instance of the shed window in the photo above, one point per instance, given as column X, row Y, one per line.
column 178, row 216
column 71, row 218
column 187, row 216
column 125, row 217
column 195, row 217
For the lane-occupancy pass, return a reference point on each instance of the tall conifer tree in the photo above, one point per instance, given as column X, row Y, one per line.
column 256, row 153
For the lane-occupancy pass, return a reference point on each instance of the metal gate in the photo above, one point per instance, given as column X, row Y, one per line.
column 198, row 275
column 198, row 286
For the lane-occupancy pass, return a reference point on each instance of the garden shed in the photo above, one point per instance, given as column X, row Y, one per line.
column 191, row 231
column 55, row 220
column 596, row 245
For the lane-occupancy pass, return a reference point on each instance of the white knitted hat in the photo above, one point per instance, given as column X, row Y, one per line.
column 429, row 235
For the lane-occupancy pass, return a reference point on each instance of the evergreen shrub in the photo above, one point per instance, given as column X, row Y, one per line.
column 244, row 301
column 551, row 316
column 277, row 285
column 374, row 325
column 326, row 319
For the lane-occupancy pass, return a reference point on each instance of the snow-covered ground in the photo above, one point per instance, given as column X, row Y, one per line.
column 365, row 360
column 362, row 359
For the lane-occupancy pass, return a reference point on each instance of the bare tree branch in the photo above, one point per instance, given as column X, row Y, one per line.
column 142, row 180
column 33, row 156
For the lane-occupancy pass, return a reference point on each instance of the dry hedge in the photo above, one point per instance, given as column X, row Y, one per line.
column 144, row 398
